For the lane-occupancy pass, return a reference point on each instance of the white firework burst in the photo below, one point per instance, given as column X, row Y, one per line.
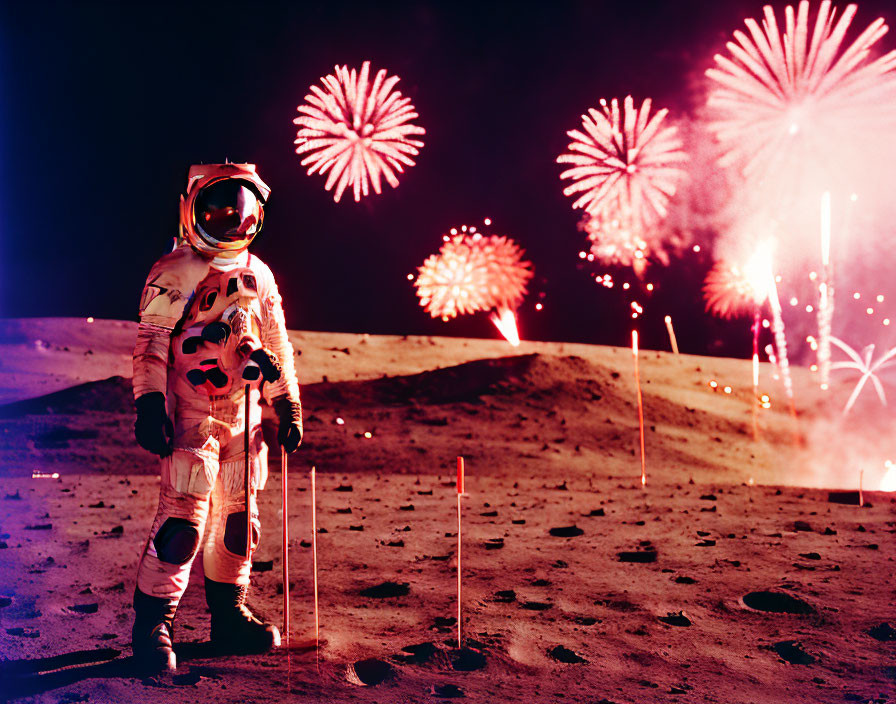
column 473, row 273
column 359, row 131
column 625, row 164
column 781, row 103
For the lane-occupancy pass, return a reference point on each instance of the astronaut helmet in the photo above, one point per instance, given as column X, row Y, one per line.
column 223, row 208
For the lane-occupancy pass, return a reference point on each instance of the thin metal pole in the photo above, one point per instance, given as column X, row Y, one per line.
column 640, row 407
column 248, row 489
column 284, row 482
column 314, row 544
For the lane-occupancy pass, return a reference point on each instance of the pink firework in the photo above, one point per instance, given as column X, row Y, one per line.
column 625, row 164
column 358, row 131
column 785, row 105
column 473, row 273
column 730, row 292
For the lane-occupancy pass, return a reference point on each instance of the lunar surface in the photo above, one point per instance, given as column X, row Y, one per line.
column 745, row 570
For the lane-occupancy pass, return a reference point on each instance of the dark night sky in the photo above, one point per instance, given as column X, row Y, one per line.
column 105, row 105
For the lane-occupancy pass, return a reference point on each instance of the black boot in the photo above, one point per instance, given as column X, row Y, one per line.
column 152, row 637
column 234, row 628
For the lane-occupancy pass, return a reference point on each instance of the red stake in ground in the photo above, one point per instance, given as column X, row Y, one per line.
column 640, row 407
column 460, row 491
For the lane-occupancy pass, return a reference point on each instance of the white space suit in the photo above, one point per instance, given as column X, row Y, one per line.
column 211, row 331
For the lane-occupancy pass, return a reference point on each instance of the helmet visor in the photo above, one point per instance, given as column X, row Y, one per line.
column 228, row 210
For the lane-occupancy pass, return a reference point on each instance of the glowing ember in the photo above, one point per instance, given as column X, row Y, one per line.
column 358, row 131
column 868, row 368
column 625, row 168
column 473, row 273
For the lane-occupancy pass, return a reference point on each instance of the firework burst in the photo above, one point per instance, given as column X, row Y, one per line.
column 780, row 100
column 359, row 131
column 730, row 291
column 625, row 164
column 867, row 367
column 473, row 273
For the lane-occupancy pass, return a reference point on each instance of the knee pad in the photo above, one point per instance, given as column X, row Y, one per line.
column 235, row 533
column 177, row 541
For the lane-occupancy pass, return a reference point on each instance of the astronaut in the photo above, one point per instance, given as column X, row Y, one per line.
column 211, row 345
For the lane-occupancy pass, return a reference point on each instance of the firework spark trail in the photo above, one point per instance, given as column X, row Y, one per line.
column 781, row 342
column 868, row 368
column 626, row 165
column 358, row 131
column 825, row 294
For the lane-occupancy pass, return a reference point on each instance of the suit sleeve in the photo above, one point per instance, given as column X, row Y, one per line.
column 275, row 338
column 161, row 307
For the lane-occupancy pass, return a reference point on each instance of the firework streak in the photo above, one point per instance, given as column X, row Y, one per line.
column 825, row 294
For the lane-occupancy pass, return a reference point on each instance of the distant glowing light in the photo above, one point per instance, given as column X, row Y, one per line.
column 857, row 295
column 888, row 483
column 582, row 255
column 45, row 475
column 538, row 306
column 869, row 311
column 793, row 301
column 813, row 275
column 368, row 435
column 880, row 298
column 488, row 221
column 696, row 247
column 727, row 389
column 90, row 319
column 765, row 323
column 713, row 384
column 339, row 421
column 625, row 286
column 410, row 277
column 813, row 367
column 886, row 321
column 361, row 132
column 809, row 308
column 649, row 287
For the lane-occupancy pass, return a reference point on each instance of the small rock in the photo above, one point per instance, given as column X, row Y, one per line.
column 467, row 660
column 84, row 608
column 810, row 555
column 39, row 526
column 535, row 605
column 883, row 632
column 563, row 654
column 262, row 565
column 792, row 651
column 641, row 556
column 346, row 487
column 597, row 512
column 14, row 497
column 447, row 691
column 676, row 619
column 505, row 596
column 387, row 590
column 802, row 526
column 566, row 532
